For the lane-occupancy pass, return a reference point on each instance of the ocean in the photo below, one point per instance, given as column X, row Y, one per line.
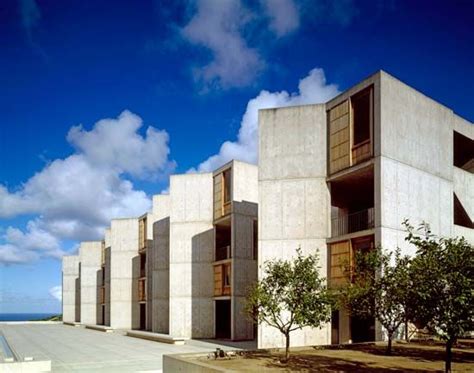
column 24, row 316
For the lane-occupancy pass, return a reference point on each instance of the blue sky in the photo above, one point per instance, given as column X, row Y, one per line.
column 102, row 100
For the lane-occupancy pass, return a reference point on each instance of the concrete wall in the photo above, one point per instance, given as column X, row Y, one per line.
column 244, row 265
column 90, row 256
column 191, row 255
column 107, row 239
column 294, row 203
column 159, row 264
column 70, row 304
column 123, row 295
column 414, row 173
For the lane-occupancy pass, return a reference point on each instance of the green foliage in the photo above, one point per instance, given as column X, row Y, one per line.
column 292, row 295
column 443, row 291
column 378, row 289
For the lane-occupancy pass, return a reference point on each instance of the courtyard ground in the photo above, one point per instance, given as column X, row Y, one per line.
column 76, row 349
column 413, row 357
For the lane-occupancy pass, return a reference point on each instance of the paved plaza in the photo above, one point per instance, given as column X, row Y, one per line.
column 73, row 349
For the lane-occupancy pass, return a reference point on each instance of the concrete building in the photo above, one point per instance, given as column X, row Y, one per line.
column 159, row 265
column 341, row 177
column 90, row 257
column 336, row 178
column 235, row 212
column 71, row 299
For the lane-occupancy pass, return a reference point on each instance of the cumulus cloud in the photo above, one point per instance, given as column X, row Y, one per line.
column 76, row 197
column 126, row 150
column 217, row 26
column 57, row 292
column 312, row 89
column 283, row 14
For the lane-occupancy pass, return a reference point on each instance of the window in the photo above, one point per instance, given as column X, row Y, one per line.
column 226, row 275
column 255, row 240
column 461, row 217
column 227, row 179
column 463, row 152
column 361, row 107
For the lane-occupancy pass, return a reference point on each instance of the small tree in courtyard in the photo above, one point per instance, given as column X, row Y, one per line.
column 376, row 290
column 292, row 295
column 443, row 277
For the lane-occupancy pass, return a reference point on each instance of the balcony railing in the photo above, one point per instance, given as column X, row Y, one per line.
column 350, row 223
column 223, row 253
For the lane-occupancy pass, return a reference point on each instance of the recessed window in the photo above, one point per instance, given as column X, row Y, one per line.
column 463, row 152
column 461, row 217
column 227, row 180
column 361, row 107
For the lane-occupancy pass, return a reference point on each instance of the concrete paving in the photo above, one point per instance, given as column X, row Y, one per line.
column 83, row 350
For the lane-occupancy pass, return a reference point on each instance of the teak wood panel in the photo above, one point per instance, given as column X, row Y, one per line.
column 142, row 234
column 142, row 290
column 339, row 137
column 340, row 258
column 220, row 288
column 218, row 200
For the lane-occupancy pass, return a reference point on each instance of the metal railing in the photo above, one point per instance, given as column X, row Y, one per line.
column 350, row 223
column 223, row 253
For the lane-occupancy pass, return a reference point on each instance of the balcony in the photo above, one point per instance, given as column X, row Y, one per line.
column 355, row 222
column 223, row 253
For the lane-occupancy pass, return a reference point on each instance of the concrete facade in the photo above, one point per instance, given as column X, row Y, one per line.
column 71, row 289
column 190, row 256
column 333, row 178
column 294, row 202
column 238, row 219
column 90, row 255
column 159, row 264
column 123, row 248
column 406, row 171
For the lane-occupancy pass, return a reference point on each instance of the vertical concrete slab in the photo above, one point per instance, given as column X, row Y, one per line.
column 159, row 264
column 191, row 255
column 90, row 254
column 107, row 243
column 244, row 263
column 123, row 295
column 294, row 201
column 414, row 173
column 70, row 302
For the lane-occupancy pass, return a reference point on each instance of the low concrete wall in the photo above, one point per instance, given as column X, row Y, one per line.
column 183, row 363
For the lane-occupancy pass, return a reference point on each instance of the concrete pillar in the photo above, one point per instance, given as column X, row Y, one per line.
column 191, row 256
column 71, row 289
column 90, row 254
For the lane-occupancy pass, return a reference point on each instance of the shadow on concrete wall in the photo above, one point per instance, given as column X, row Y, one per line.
column 134, row 304
column 78, row 296
column 107, row 285
column 202, row 285
column 160, row 267
column 99, row 317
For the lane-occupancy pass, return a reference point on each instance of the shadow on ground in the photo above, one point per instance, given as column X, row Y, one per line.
column 308, row 361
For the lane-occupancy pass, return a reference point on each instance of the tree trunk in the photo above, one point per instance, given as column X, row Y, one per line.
column 287, row 347
column 389, row 344
column 449, row 355
column 407, row 338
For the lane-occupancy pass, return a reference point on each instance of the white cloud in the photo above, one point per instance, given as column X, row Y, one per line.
column 115, row 143
column 76, row 197
column 311, row 90
column 57, row 292
column 218, row 26
column 284, row 16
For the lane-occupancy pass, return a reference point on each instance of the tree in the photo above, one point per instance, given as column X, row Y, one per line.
column 377, row 290
column 443, row 276
column 290, row 296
